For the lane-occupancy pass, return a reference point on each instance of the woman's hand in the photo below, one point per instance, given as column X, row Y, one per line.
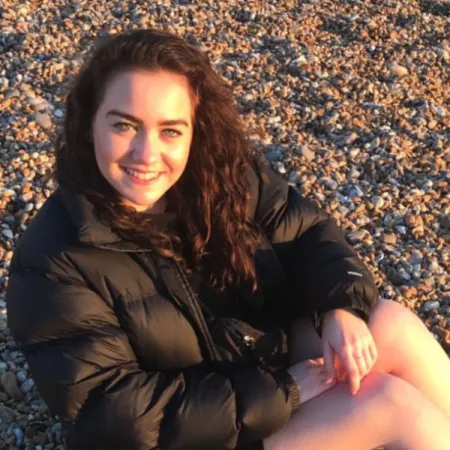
column 310, row 378
column 348, row 347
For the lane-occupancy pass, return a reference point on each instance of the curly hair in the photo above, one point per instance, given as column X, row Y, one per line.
column 212, row 194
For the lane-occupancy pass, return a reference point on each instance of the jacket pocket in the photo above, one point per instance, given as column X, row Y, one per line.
column 238, row 341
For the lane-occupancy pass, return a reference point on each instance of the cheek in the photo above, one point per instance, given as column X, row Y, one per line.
column 178, row 156
column 109, row 149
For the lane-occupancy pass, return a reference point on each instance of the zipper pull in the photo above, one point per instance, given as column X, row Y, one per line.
column 249, row 341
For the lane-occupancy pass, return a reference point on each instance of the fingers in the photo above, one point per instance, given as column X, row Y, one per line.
column 328, row 356
column 352, row 369
column 317, row 361
column 373, row 352
column 358, row 362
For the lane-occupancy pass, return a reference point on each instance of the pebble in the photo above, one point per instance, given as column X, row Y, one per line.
column 390, row 238
column 8, row 233
column 9, row 382
column 21, row 376
column 27, row 385
column 378, row 202
column 17, row 431
column 307, row 153
column 44, row 120
column 398, row 69
column 6, row 415
column 357, row 236
column 341, row 110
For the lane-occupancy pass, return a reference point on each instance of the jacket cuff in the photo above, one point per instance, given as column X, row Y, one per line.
column 284, row 379
column 317, row 318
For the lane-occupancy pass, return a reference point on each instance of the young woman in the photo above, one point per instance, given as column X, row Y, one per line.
column 175, row 293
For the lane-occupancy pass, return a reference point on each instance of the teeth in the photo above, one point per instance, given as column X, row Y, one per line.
column 142, row 176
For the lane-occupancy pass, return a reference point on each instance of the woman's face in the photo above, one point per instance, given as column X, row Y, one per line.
column 142, row 133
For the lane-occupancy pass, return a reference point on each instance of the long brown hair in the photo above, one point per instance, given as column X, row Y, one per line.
column 212, row 194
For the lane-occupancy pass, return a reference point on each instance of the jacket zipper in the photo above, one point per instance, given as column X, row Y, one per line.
column 198, row 315
column 247, row 340
column 195, row 308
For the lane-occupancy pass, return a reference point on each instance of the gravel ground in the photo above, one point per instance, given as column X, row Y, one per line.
column 348, row 99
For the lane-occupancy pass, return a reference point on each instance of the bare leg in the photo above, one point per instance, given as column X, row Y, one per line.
column 409, row 351
column 386, row 411
column 406, row 349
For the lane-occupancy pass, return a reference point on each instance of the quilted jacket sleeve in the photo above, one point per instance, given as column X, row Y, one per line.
column 323, row 270
column 88, row 374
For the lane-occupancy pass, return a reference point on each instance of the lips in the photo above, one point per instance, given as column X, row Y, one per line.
column 139, row 177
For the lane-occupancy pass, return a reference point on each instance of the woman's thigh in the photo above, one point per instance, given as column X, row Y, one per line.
column 387, row 410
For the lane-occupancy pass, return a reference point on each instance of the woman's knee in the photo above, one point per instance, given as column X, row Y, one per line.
column 392, row 324
column 391, row 316
column 396, row 395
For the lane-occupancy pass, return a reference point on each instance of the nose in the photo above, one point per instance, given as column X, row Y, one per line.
column 146, row 149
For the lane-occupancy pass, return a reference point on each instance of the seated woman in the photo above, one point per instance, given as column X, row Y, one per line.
column 175, row 293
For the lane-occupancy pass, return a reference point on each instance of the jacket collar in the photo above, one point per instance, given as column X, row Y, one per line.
column 89, row 229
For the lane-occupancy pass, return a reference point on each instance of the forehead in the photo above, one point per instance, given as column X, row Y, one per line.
column 147, row 94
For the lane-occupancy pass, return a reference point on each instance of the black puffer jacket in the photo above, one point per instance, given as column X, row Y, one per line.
column 117, row 343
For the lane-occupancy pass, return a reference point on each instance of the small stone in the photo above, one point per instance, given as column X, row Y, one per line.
column 416, row 257
column 428, row 306
column 354, row 173
column 432, row 124
column 395, row 277
column 44, row 120
column 330, row 184
column 27, row 385
column 352, row 137
column 307, row 153
column 38, row 103
column 440, row 111
column 27, row 197
column 443, row 53
column 404, row 274
column 6, row 415
column 59, row 113
column 356, row 191
column 10, row 385
column 8, row 233
column 274, row 155
column 443, row 333
column 358, row 235
column 378, row 202
column 410, row 292
column 398, row 69
column 21, row 376
column 445, row 221
column 390, row 238
column 280, row 167
column 401, row 229
column 15, row 430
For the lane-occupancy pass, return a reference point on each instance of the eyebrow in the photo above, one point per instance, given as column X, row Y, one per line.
column 167, row 122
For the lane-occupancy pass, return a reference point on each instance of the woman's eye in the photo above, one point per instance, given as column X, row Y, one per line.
column 172, row 133
column 122, row 126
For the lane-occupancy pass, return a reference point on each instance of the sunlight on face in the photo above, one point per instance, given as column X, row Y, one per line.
column 142, row 134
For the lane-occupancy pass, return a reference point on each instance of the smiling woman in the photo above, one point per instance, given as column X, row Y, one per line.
column 175, row 293
column 140, row 156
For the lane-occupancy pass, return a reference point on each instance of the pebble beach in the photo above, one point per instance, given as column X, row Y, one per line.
column 349, row 100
